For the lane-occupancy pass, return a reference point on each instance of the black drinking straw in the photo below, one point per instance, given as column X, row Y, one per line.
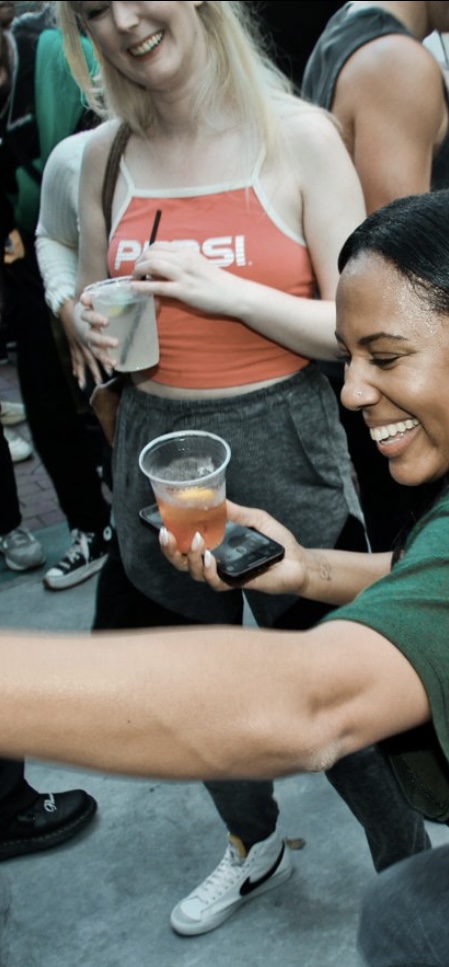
column 155, row 227
column 129, row 338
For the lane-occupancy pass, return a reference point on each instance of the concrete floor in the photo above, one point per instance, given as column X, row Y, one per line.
column 103, row 900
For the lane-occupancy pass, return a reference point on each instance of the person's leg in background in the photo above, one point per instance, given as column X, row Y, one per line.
column 30, row 821
column 119, row 604
column 18, row 546
column 367, row 784
column 256, row 851
column 81, row 397
column 403, row 920
column 58, row 432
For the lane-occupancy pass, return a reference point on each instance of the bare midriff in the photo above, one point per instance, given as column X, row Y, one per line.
column 181, row 393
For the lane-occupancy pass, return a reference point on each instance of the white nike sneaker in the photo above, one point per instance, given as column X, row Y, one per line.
column 238, row 878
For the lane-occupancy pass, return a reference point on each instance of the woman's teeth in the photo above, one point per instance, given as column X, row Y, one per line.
column 378, row 433
column 147, row 45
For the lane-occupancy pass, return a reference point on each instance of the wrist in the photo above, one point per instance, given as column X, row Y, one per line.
column 317, row 574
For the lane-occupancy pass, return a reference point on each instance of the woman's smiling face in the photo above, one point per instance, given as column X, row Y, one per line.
column 396, row 353
column 157, row 45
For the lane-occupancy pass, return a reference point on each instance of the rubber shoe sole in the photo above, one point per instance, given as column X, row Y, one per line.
column 13, row 566
column 59, row 582
column 28, row 544
column 192, row 928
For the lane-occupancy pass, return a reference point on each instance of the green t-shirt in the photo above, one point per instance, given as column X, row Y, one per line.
column 410, row 607
column 58, row 109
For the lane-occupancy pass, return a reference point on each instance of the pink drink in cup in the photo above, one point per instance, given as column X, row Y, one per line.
column 187, row 471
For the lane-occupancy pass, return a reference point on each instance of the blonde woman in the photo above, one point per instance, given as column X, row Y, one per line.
column 257, row 194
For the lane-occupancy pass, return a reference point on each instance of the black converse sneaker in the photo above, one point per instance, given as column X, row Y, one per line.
column 85, row 556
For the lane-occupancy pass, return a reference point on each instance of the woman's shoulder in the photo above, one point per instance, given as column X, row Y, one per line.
column 97, row 153
column 68, row 152
column 297, row 115
column 307, row 127
column 100, row 141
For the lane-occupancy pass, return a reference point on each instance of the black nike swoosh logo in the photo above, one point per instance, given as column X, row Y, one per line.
column 249, row 885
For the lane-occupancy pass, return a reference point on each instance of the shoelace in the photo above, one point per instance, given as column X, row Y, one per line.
column 80, row 546
column 225, row 874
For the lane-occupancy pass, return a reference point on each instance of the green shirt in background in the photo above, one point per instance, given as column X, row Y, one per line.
column 58, row 107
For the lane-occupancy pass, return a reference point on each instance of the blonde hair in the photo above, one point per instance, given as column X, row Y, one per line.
column 240, row 73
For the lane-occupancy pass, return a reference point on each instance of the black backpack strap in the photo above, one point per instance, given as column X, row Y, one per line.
column 111, row 172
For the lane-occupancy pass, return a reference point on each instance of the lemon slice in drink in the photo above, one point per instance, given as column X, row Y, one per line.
column 122, row 299
column 114, row 311
column 197, row 495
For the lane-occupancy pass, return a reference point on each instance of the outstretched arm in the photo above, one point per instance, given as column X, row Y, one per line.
column 170, row 704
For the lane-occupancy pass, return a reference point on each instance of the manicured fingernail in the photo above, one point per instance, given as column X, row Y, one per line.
column 163, row 536
column 207, row 558
column 197, row 542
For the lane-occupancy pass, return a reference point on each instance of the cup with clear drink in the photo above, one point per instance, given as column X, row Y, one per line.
column 131, row 319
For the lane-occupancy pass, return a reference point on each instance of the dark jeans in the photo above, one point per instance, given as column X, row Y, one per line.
column 10, row 516
column 403, row 921
column 368, row 786
column 366, row 783
column 59, row 433
column 15, row 792
column 119, row 604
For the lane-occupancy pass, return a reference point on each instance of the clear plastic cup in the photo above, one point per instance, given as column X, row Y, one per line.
column 187, row 471
column 132, row 320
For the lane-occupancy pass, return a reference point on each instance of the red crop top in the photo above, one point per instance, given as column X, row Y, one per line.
column 232, row 226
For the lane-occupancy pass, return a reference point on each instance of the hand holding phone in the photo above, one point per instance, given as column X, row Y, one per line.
column 243, row 554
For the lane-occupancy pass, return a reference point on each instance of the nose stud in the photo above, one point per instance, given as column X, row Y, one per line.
column 358, row 392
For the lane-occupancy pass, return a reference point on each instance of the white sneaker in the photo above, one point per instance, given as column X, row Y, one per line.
column 21, row 550
column 238, row 878
column 19, row 448
column 12, row 413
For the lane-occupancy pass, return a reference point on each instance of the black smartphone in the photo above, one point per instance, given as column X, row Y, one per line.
column 243, row 554
column 150, row 515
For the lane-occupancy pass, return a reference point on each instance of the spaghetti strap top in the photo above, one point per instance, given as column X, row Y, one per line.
column 234, row 227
